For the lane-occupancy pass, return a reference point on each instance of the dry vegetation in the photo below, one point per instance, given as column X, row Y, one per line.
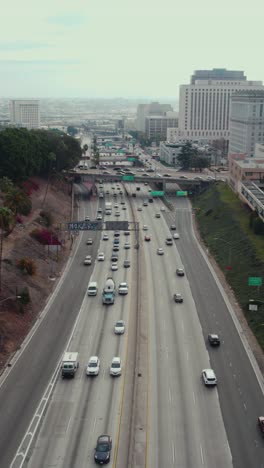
column 16, row 321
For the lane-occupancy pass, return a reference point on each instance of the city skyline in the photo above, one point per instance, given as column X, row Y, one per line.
column 119, row 49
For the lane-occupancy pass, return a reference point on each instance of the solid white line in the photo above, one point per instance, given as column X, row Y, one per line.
column 173, row 453
column 170, row 395
column 194, row 398
column 187, row 355
column 202, row 458
column 94, row 424
column 68, row 425
column 245, row 406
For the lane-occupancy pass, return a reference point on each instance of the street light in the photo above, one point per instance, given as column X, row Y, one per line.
column 10, row 297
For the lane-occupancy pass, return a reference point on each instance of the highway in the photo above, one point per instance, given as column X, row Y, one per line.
column 188, row 425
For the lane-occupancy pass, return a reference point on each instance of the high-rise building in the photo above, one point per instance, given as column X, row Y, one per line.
column 154, row 108
column 246, row 121
column 204, row 105
column 156, row 125
column 25, row 113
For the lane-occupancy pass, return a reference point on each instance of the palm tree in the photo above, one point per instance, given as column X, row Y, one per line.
column 17, row 201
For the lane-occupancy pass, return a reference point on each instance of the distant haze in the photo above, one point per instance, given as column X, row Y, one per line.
column 113, row 48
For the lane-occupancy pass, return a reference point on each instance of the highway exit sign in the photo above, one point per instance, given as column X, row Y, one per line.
column 157, row 194
column 128, row 178
column 255, row 281
column 181, row 193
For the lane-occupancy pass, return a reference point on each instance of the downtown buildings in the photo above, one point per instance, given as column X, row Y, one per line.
column 24, row 113
column 204, row 107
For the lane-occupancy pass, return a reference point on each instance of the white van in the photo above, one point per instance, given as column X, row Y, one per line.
column 69, row 364
column 92, row 288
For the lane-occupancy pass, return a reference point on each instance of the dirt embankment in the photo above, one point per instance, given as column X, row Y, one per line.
column 14, row 324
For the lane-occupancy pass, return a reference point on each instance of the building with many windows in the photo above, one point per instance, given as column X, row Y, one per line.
column 25, row 113
column 145, row 110
column 204, row 106
column 169, row 152
column 156, row 126
column 246, row 123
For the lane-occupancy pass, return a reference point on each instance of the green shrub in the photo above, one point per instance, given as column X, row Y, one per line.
column 47, row 217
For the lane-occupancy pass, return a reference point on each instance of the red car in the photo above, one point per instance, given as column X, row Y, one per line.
column 147, row 238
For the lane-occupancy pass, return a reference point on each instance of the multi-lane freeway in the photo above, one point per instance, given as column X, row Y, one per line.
column 186, row 424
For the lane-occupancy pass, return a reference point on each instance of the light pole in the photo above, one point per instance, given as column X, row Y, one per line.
column 10, row 297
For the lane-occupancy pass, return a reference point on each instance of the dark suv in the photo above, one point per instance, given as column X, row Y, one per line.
column 103, row 449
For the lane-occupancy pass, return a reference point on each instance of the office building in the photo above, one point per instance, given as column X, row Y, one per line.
column 24, row 113
column 145, row 110
column 169, row 152
column 156, row 126
column 204, row 105
column 246, row 121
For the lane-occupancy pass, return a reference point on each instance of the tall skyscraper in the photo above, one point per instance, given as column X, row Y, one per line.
column 204, row 106
column 246, row 121
column 25, row 113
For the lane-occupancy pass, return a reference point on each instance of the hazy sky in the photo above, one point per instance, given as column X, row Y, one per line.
column 122, row 48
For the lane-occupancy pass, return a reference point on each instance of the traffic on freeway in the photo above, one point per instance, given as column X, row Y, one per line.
column 141, row 361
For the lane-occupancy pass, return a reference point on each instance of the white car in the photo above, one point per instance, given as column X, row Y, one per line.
column 105, row 237
column 145, row 227
column 114, row 266
column 101, row 257
column 162, row 208
column 160, row 251
column 124, row 207
column 115, row 205
column 209, row 377
column 87, row 218
column 88, row 260
column 116, row 367
column 99, row 217
column 93, row 366
column 89, row 241
column 176, row 235
column 127, row 245
column 139, row 208
column 123, row 288
column 119, row 327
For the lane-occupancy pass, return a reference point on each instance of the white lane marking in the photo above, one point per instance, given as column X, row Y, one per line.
column 68, row 425
column 173, row 453
column 245, row 406
column 170, row 395
column 202, row 458
column 187, row 355
column 230, row 364
column 94, row 424
column 194, row 400
column 182, row 325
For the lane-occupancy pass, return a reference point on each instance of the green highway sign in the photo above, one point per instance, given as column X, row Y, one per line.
column 120, row 151
column 157, row 194
column 128, row 178
column 255, row 281
column 181, row 193
column 131, row 159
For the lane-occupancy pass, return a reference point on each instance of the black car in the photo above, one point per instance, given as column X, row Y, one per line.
column 103, row 449
column 116, row 234
column 178, row 298
column 114, row 257
column 116, row 248
column 126, row 263
column 213, row 339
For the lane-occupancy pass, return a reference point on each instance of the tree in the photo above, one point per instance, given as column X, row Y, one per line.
column 18, row 201
column 6, row 218
column 95, row 152
column 85, row 148
column 72, row 131
column 185, row 156
column 6, row 184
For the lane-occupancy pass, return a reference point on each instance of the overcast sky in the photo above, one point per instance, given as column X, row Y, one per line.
column 124, row 48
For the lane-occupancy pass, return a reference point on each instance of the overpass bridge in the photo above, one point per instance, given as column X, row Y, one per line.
column 95, row 175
